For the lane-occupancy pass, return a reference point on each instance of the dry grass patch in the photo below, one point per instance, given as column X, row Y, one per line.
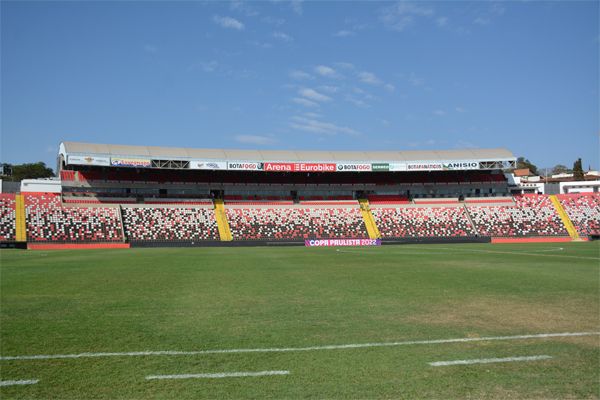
column 483, row 313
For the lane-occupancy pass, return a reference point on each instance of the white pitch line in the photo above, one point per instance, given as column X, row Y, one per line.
column 488, row 360
column 23, row 382
column 296, row 349
column 218, row 375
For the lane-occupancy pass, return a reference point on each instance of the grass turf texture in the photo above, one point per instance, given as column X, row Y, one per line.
column 62, row 302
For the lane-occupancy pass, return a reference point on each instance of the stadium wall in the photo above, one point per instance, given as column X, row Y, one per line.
column 76, row 246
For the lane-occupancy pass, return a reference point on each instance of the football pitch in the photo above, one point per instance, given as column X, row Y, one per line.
column 407, row 321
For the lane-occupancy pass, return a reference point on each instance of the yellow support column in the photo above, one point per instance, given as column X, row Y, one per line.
column 564, row 218
column 222, row 223
column 365, row 210
column 20, row 220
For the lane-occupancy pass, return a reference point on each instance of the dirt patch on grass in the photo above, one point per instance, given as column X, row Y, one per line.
column 499, row 313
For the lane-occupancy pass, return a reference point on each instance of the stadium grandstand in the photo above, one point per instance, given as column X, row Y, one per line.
column 122, row 196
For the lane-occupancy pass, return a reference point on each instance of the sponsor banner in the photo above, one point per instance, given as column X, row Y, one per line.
column 196, row 164
column 425, row 166
column 442, row 166
column 380, row 167
column 461, row 165
column 299, row 167
column 342, row 242
column 88, row 160
column 354, row 167
column 397, row 167
column 245, row 166
column 130, row 162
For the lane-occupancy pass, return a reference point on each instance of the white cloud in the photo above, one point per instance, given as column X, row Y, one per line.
column 344, row 33
column 209, row 66
column 228, row 22
column 389, row 87
column 415, row 80
column 345, row 65
column 300, row 75
column 369, row 77
column 321, row 127
column 440, row 113
column 256, row 139
column 460, row 110
column 481, row 21
column 244, row 8
column 441, row 21
column 313, row 95
column 356, row 102
column 326, row 71
column 282, row 36
column 305, row 102
column 297, row 6
column 329, row 88
column 312, row 115
column 150, row 48
column 403, row 14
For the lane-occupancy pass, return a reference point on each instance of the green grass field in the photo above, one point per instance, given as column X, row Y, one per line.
column 95, row 301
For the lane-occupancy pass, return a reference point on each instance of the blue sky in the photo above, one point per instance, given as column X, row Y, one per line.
column 302, row 75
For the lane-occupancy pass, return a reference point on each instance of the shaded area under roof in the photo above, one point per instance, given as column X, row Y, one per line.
column 168, row 153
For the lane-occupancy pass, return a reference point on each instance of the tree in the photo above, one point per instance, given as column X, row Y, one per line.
column 578, row 170
column 522, row 162
column 30, row 171
column 561, row 169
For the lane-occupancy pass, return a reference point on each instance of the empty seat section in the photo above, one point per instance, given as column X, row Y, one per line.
column 48, row 221
column 415, row 222
column 7, row 217
column 296, row 223
column 170, row 223
column 532, row 215
column 583, row 210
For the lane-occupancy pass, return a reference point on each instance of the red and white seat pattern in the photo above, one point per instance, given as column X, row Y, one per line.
column 583, row 210
column 416, row 222
column 170, row 224
column 7, row 217
column 48, row 221
column 296, row 223
column 533, row 215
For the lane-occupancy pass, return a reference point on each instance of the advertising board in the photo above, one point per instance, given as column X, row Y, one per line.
column 130, row 162
column 245, row 166
column 299, row 167
column 354, row 167
column 200, row 164
column 341, row 242
column 88, row 160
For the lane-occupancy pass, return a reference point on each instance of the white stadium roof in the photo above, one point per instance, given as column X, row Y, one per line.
column 180, row 153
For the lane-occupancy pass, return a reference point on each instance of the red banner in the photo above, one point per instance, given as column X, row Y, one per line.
column 299, row 167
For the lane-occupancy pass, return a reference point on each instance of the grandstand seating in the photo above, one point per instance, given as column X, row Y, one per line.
column 48, row 221
column 169, row 224
column 277, row 219
column 7, row 217
column 296, row 223
column 416, row 222
column 532, row 215
column 583, row 210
